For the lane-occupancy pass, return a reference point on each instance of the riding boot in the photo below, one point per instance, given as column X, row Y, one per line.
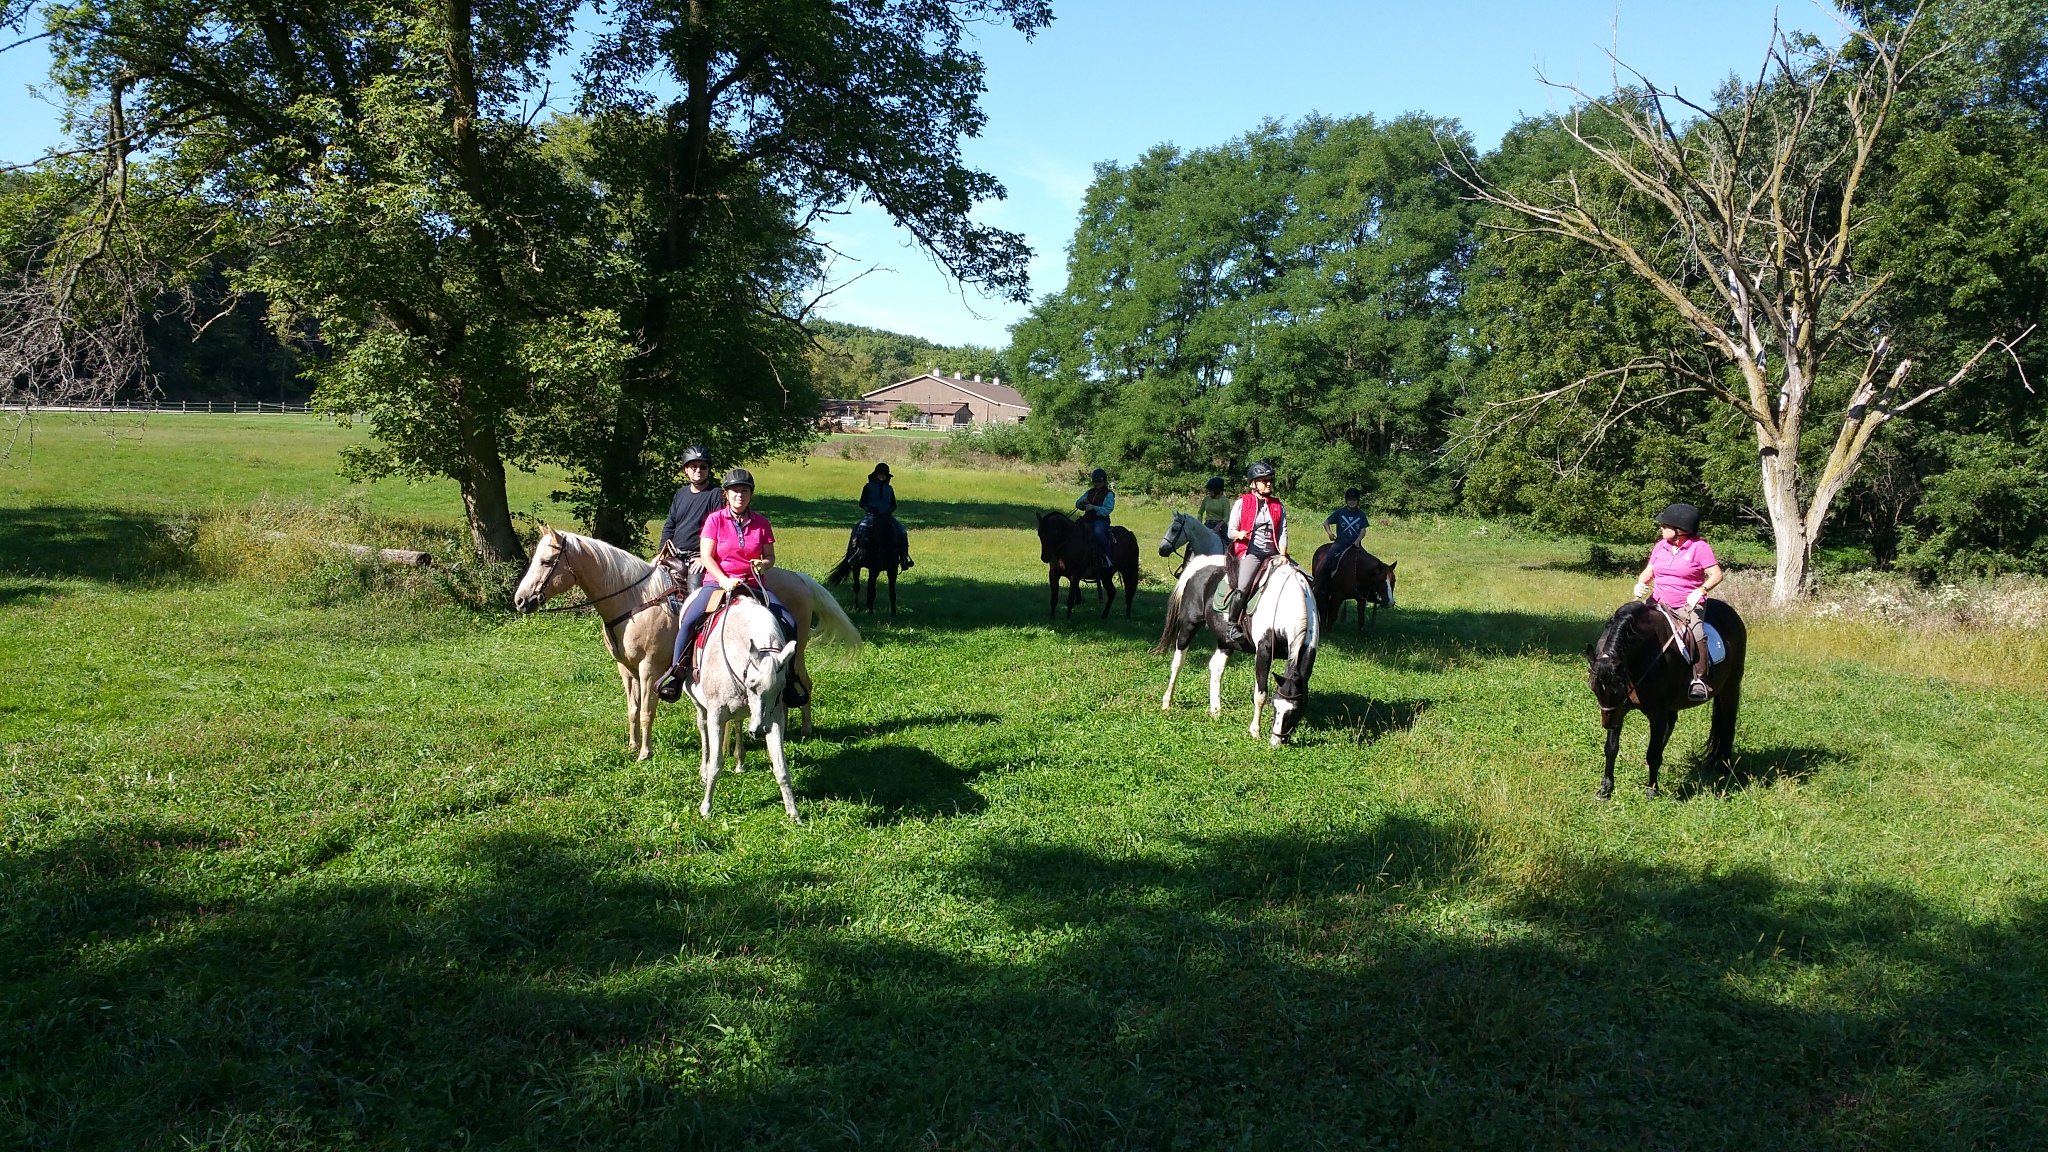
column 1701, row 663
column 1231, row 632
column 671, row 687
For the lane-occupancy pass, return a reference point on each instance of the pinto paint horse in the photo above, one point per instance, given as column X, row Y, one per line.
column 1283, row 626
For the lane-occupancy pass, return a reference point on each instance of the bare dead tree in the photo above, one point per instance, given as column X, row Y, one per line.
column 1745, row 218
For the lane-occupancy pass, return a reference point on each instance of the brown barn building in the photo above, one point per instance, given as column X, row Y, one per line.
column 946, row 401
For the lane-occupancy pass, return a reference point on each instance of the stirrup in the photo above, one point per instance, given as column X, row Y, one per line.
column 1699, row 690
column 670, row 689
column 908, row 564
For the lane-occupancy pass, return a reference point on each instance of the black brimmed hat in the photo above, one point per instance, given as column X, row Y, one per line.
column 739, row 478
column 881, row 470
column 1683, row 517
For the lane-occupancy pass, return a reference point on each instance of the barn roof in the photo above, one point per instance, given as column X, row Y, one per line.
column 991, row 391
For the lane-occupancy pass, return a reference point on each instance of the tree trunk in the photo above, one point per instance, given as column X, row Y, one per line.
column 483, row 495
column 1788, row 526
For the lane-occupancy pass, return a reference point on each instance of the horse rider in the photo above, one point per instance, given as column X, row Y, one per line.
column 1681, row 571
column 878, row 500
column 736, row 547
column 1096, row 504
column 1344, row 527
column 1215, row 506
column 1257, row 533
column 685, row 524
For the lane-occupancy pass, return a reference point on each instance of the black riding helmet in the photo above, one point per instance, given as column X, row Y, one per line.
column 739, row 478
column 1351, row 493
column 1098, row 476
column 695, row 454
column 1683, row 517
column 1216, row 483
column 1259, row 471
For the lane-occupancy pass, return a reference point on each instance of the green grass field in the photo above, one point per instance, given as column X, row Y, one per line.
column 290, row 862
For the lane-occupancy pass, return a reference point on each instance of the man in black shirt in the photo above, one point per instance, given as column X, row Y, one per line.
column 686, row 513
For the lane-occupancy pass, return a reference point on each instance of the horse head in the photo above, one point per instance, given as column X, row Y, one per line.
column 1386, row 596
column 548, row 574
column 1612, row 661
column 1052, row 532
column 766, row 676
column 1174, row 532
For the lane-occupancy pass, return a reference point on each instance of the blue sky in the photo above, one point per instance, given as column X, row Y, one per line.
column 1111, row 78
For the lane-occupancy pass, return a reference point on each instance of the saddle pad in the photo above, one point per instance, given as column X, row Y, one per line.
column 1221, row 600
column 719, row 604
column 1717, row 648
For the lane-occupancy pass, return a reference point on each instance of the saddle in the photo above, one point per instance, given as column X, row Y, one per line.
column 1221, row 599
column 1717, row 648
column 713, row 611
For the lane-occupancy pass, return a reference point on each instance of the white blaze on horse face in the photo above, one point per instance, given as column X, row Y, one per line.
column 533, row 590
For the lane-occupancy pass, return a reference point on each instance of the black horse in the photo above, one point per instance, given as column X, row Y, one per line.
column 1070, row 551
column 879, row 551
column 1637, row 665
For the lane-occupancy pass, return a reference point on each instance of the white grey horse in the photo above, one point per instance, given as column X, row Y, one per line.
column 1284, row 626
column 744, row 665
column 1188, row 530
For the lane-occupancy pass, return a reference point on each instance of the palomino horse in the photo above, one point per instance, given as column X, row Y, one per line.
column 1637, row 665
column 1071, row 554
column 879, row 552
column 1284, row 626
column 631, row 597
column 744, row 667
column 1356, row 575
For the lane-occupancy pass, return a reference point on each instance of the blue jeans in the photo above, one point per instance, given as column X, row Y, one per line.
column 1101, row 526
column 700, row 602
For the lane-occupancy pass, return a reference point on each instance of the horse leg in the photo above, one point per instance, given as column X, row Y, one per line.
column 1217, row 660
column 778, row 759
column 1052, row 610
column 1375, row 618
column 892, row 591
column 1130, row 590
column 1613, row 747
column 1172, row 675
column 1262, row 668
column 1721, row 735
column 711, row 737
column 629, row 682
column 1661, row 724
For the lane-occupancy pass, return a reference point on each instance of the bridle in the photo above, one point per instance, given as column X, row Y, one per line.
column 548, row 573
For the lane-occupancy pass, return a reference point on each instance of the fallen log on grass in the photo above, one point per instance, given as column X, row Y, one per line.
column 395, row 557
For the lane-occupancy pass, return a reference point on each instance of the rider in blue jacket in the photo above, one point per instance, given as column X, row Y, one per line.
column 1096, row 504
column 878, row 498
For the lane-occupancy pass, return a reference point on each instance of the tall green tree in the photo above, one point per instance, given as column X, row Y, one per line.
column 721, row 130
column 1288, row 296
column 379, row 159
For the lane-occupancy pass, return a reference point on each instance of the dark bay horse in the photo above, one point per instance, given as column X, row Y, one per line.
column 880, row 552
column 1070, row 552
column 1357, row 575
column 1637, row 665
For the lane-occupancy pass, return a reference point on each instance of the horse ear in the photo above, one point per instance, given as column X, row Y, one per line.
column 788, row 651
column 1589, row 653
column 1394, row 565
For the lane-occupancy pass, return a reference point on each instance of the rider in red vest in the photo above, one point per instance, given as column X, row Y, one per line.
column 1257, row 531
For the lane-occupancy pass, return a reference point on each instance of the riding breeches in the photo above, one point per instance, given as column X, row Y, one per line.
column 1245, row 569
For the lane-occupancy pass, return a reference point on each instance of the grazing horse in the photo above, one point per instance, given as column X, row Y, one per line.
column 1200, row 539
column 632, row 598
column 1637, row 665
column 1285, row 625
column 880, row 552
column 1356, row 575
column 1071, row 554
column 744, row 667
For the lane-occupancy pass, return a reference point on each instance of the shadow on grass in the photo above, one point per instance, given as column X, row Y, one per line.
column 1360, row 718
column 1437, row 639
column 85, row 543
column 1286, row 990
column 1750, row 768
column 901, row 783
column 895, row 724
column 964, row 604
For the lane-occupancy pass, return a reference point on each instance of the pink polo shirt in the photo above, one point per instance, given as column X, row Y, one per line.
column 738, row 543
column 1676, row 571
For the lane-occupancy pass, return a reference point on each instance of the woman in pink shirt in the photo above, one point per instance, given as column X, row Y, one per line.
column 736, row 547
column 1681, row 571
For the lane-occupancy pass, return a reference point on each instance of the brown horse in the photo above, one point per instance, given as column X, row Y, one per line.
column 1070, row 553
column 1357, row 575
column 1637, row 665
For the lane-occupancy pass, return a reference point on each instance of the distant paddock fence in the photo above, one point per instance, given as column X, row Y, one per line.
column 221, row 407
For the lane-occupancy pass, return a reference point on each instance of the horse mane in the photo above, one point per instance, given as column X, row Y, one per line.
column 1608, row 653
column 620, row 565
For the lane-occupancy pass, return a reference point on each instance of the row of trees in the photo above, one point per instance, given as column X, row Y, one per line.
column 1802, row 303
column 493, row 285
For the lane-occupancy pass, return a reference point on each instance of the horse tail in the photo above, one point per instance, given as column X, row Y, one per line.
column 1173, row 620
column 834, row 625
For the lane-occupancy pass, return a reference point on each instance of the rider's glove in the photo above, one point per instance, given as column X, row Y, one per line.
column 1695, row 598
column 1642, row 590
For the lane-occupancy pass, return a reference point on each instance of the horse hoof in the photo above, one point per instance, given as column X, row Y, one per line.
column 1606, row 792
column 1651, row 792
column 645, row 754
column 1277, row 741
column 704, row 810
